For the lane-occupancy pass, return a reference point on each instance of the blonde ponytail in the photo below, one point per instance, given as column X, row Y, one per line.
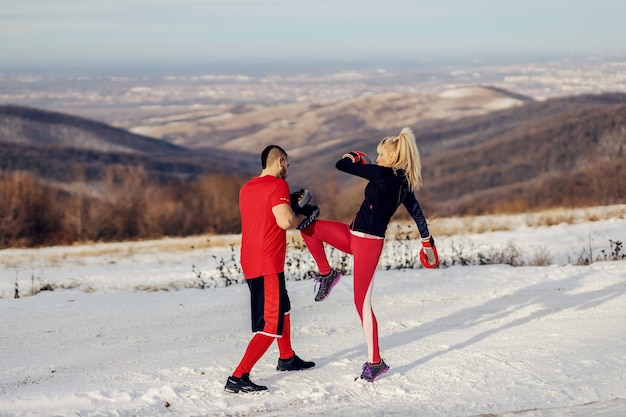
column 405, row 155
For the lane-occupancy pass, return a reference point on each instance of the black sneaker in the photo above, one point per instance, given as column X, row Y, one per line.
column 293, row 364
column 326, row 284
column 243, row 384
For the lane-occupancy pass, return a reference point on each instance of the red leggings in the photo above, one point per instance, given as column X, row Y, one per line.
column 366, row 254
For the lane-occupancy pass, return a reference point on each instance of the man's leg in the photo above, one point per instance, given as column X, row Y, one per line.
column 287, row 359
column 258, row 345
column 285, row 350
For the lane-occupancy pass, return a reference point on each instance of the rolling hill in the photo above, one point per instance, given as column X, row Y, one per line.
column 483, row 149
column 556, row 153
column 53, row 146
column 307, row 129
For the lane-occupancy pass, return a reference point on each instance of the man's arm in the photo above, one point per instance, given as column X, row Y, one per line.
column 285, row 217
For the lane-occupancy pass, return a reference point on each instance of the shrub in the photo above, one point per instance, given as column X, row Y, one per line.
column 125, row 205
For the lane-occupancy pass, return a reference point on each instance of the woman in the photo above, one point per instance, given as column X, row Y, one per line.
column 392, row 181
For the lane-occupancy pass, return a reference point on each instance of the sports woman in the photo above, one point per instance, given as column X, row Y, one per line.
column 392, row 182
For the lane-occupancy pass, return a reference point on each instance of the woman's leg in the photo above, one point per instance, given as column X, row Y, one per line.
column 334, row 233
column 366, row 255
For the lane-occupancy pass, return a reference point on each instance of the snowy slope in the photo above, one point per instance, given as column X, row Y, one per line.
column 479, row 340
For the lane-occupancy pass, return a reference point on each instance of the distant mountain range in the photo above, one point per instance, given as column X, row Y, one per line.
column 483, row 149
column 310, row 129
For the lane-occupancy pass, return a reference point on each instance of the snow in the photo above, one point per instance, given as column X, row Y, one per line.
column 463, row 92
column 133, row 335
column 503, row 103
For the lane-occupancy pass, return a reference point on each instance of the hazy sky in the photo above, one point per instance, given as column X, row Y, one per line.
column 128, row 32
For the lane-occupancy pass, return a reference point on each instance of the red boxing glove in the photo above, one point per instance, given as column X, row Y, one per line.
column 357, row 157
column 428, row 255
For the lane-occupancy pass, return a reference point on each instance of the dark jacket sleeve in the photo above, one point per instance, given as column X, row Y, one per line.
column 414, row 209
column 369, row 172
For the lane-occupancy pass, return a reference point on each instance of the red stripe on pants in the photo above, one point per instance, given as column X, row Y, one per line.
column 271, row 304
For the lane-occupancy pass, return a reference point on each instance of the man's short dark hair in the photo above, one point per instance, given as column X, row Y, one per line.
column 267, row 151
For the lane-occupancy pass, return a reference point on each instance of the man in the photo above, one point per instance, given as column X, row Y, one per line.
column 266, row 214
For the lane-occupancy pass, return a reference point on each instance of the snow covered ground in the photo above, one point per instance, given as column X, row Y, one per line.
column 128, row 332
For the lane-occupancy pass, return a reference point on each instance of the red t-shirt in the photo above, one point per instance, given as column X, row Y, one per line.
column 263, row 242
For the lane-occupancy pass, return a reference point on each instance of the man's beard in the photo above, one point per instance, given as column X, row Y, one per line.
column 282, row 173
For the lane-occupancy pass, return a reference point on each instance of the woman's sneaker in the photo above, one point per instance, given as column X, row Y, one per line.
column 326, row 283
column 235, row 385
column 371, row 371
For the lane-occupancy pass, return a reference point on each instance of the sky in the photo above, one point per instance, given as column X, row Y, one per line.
column 78, row 33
